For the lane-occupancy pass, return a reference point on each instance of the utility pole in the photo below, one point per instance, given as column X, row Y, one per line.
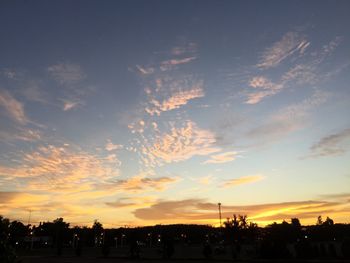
column 219, row 204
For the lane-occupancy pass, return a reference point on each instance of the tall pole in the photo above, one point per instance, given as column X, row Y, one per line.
column 30, row 214
column 219, row 204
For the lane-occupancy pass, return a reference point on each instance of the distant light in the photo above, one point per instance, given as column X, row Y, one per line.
column 305, row 236
column 16, row 242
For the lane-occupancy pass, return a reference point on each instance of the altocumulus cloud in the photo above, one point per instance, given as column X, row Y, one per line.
column 63, row 168
column 180, row 144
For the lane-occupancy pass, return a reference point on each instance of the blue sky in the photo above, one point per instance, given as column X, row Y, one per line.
column 145, row 112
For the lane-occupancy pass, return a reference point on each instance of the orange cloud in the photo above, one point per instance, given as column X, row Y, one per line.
column 222, row 157
column 243, row 180
column 139, row 183
column 61, row 169
column 134, row 202
column 178, row 97
column 111, row 146
column 199, row 211
column 265, row 88
column 169, row 64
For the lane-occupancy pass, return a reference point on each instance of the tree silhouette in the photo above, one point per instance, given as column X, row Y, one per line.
column 60, row 228
column 97, row 228
column 243, row 223
column 328, row 222
column 7, row 253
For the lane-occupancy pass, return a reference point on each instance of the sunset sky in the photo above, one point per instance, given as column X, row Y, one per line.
column 151, row 112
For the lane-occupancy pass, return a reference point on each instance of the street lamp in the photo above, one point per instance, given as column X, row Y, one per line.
column 219, row 204
column 116, row 242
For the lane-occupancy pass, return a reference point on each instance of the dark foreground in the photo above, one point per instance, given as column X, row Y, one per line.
column 147, row 255
column 37, row 259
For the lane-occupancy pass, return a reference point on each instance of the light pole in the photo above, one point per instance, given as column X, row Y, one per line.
column 116, row 242
column 219, row 204
column 121, row 240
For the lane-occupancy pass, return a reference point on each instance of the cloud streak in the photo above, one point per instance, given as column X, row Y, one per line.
column 243, row 180
column 139, row 183
column 306, row 69
column 170, row 64
column 110, row 146
column 287, row 120
column 290, row 43
column 331, row 145
column 222, row 158
column 13, row 107
column 264, row 89
column 66, row 73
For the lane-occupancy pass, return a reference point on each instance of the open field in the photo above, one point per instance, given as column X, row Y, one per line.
column 147, row 255
column 38, row 259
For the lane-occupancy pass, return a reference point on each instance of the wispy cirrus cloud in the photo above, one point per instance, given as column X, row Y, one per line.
column 66, row 73
column 288, row 119
column 171, row 63
column 139, row 183
column 69, row 105
column 12, row 133
column 70, row 76
column 222, row 157
column 306, row 69
column 290, row 43
column 145, row 70
column 33, row 92
column 134, row 202
column 185, row 48
column 12, row 107
column 181, row 143
column 264, row 87
column 331, row 145
column 243, row 180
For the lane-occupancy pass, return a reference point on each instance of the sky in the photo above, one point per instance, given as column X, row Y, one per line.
column 152, row 112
